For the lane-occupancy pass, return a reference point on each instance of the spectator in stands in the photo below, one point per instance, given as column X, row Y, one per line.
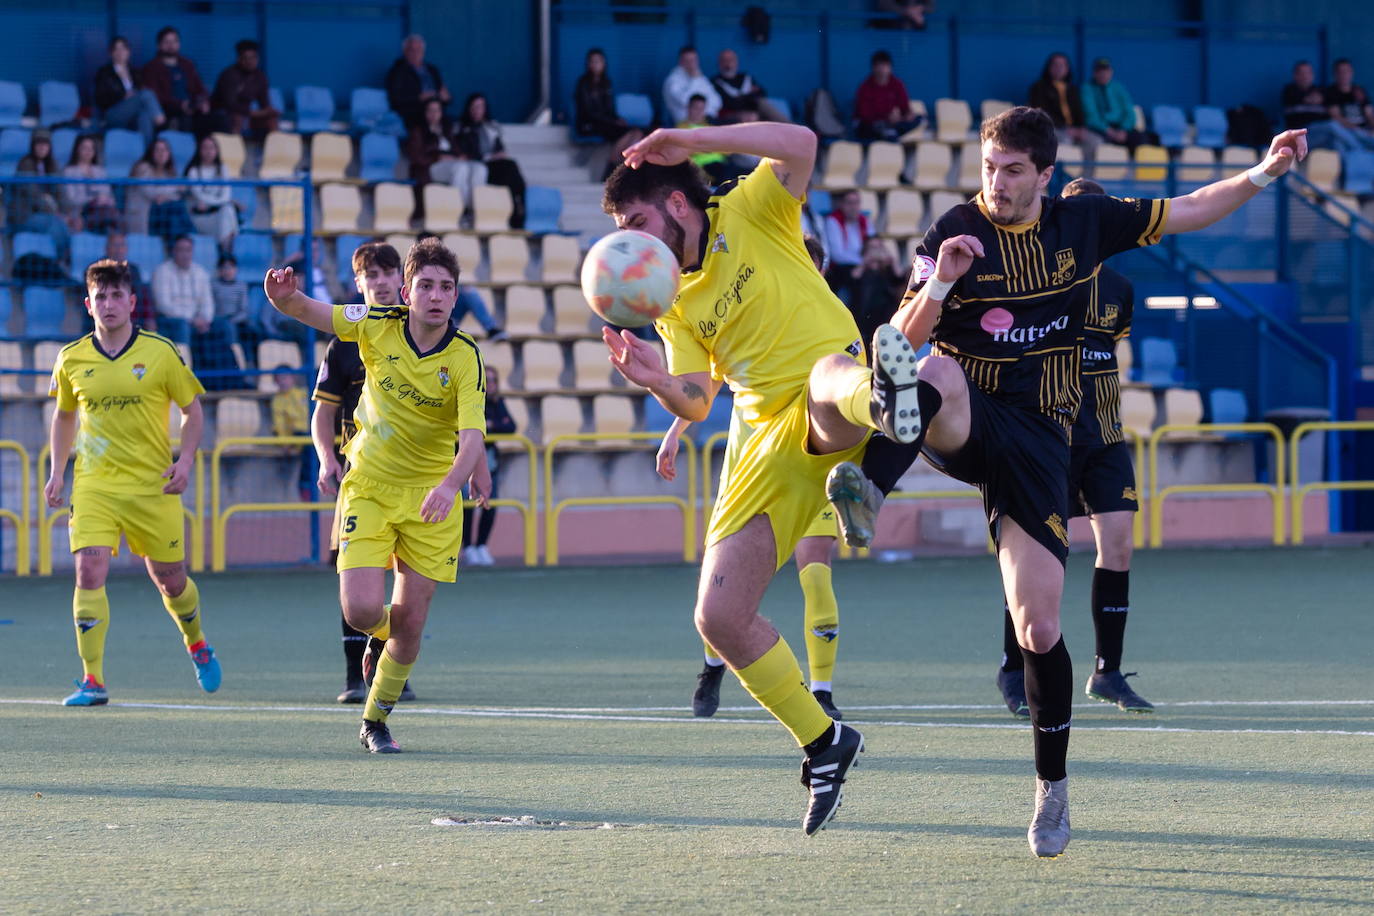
column 177, row 84
column 436, row 155
column 291, row 417
column 1304, row 102
column 740, row 96
column 595, row 114
column 34, row 207
column 181, row 290
column 479, row 138
column 684, row 81
column 214, row 212
column 1057, row 95
column 323, row 285
column 882, row 109
column 913, row 12
column 499, row 422
column 846, row 230
column 88, row 206
column 1347, row 104
column 234, row 307
column 159, row 209
column 877, row 288
column 412, row 81
column 1108, row 109
column 716, row 165
column 120, row 98
column 241, row 102
column 117, row 249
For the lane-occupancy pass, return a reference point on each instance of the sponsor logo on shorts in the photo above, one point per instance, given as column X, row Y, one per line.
column 1056, row 525
column 86, row 624
column 826, row 633
column 1064, row 267
column 828, row 515
column 355, row 312
column 173, row 542
column 450, row 561
column 343, row 544
column 139, row 371
column 1128, row 493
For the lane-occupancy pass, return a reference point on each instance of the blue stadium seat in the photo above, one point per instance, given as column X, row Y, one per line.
column 1228, row 405
column 543, row 209
column 344, row 247
column 6, row 307
column 1211, row 126
column 1171, row 125
column 58, row 102
column 247, row 199
column 377, row 157
column 367, row 106
column 34, row 243
column 86, row 247
column 63, row 139
column 1357, row 171
column 122, row 149
column 12, row 104
column 275, row 99
column 183, row 146
column 206, row 252
column 14, row 145
column 820, row 201
column 45, row 307
column 253, row 251
column 314, row 109
column 1158, row 360
column 147, row 252
column 636, row 109
column 781, row 105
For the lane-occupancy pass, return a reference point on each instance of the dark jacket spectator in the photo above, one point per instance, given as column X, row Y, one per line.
column 877, row 289
column 1108, row 109
column 1346, row 102
column 882, row 108
column 432, row 144
column 241, row 96
column 120, row 97
column 479, row 139
column 412, row 81
column 594, row 109
column 1057, row 95
column 33, row 207
column 739, row 94
column 1303, row 101
column 177, row 84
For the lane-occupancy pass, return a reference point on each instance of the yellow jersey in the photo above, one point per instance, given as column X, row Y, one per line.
column 413, row 404
column 124, row 402
column 756, row 313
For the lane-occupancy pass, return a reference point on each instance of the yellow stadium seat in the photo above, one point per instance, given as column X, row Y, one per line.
column 519, row 411
column 340, row 207
column 443, row 207
column 571, row 314
column 1340, row 206
column 933, row 162
column 1197, row 164
column 970, row 167
column 991, row 108
column 508, row 256
column 868, row 203
column 591, row 365
column 559, row 415
column 560, row 257
column 1146, row 156
column 909, row 255
column 330, row 155
column 12, row 357
column 468, row 250
column 917, row 110
column 321, row 347
column 1140, row 123
column 842, row 162
column 904, row 211
column 1239, row 157
column 1125, row 358
column 232, row 153
column 281, row 153
column 237, row 417
column 941, row 202
column 392, row 205
column 501, row 357
column 287, row 216
column 885, row 164
column 1138, row 410
column 274, row 353
column 1324, row 168
column 1071, row 159
column 613, row 413
column 1182, row 406
column 541, row 365
column 491, row 208
column 953, row 120
column 525, row 311
column 402, row 242
column 1109, row 164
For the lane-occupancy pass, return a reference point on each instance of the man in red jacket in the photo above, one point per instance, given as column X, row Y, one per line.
column 177, row 84
column 881, row 107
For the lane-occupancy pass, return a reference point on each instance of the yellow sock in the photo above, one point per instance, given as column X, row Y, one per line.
column 822, row 620
column 91, row 610
column 382, row 630
column 387, row 684
column 711, row 653
column 185, row 611
column 775, row 681
column 854, row 406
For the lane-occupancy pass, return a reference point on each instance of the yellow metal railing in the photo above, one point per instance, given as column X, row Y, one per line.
column 529, row 509
column 1138, row 523
column 553, row 509
column 23, row 518
column 1300, row 490
column 1158, row 496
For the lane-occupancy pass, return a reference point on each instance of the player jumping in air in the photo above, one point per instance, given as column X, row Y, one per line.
column 1002, row 287
column 425, row 383
column 120, row 382
column 753, row 311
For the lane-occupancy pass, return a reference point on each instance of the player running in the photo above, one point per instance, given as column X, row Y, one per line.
column 1101, row 487
column 1002, row 286
column 425, row 383
column 116, row 385
column 753, row 311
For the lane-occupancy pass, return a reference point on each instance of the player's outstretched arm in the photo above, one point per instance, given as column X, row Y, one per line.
column 280, row 286
column 61, row 438
column 178, row 475
column 1219, row 199
column 791, row 147
column 665, row 462
column 920, row 311
column 687, row 396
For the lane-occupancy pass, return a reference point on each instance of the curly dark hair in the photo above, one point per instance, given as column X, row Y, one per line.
column 652, row 184
column 105, row 274
column 1024, row 130
column 430, row 253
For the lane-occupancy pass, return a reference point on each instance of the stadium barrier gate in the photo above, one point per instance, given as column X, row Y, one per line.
column 529, row 509
column 1300, row 490
column 553, row 509
column 21, row 519
column 1158, row 495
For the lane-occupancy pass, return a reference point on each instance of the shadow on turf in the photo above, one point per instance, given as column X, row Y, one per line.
column 1276, row 897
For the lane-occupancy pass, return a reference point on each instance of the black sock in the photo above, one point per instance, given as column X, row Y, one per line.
column 354, row 643
column 1049, row 693
column 885, row 461
column 1011, row 649
column 1111, row 602
column 824, row 741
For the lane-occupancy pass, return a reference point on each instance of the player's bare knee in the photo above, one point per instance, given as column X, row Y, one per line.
column 944, row 374
column 362, row 615
column 170, row 578
column 1040, row 636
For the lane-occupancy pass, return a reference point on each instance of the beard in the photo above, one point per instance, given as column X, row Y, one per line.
column 1016, row 211
column 674, row 236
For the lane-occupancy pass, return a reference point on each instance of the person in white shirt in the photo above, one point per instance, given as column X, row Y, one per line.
column 181, row 290
column 684, row 81
column 213, row 210
column 846, row 228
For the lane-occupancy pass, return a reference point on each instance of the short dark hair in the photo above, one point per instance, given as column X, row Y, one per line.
column 1341, row 60
column 246, row 44
column 696, row 97
column 653, row 183
column 182, row 238
column 1301, row 63
column 375, row 254
column 880, row 57
column 107, row 273
column 117, row 40
column 430, row 253
column 1023, row 130
column 165, row 31
column 815, row 249
column 685, row 48
column 1080, row 186
column 227, row 258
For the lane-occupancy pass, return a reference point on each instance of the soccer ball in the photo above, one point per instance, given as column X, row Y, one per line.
column 629, row 278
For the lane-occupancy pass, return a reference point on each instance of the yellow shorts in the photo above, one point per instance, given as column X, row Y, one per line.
column 768, row 471
column 824, row 524
column 377, row 521
column 153, row 524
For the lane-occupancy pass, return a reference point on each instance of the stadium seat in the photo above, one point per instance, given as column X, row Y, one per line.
column 1138, row 410
column 340, row 206
column 991, row 108
column 286, row 204
column 543, row 209
column 868, row 204
column 239, row 417
column 1358, row 172
column 1070, row 159
column 14, row 145
column 491, row 208
column 1242, row 157
column 1158, row 359
column 344, row 246
column 274, row 353
column 253, row 251
column 85, row 248
column 367, row 106
column 635, row 109
column 205, row 252
column 541, row 365
column 782, row 106
column 953, row 120
column 1105, row 164
column 6, row 309
column 1140, row 123
column 402, row 242
column 11, row 357
column 1182, row 406
column 592, row 366
column 468, row 249
column 970, row 176
column 508, row 257
column 613, row 413
column 39, row 243
column 330, row 155
column 276, row 99
column 392, row 205
column 183, row 147
column 842, row 161
column 377, row 157
column 63, row 139
column 12, row 104
column 501, row 357
column 1171, row 125
column 247, row 199
column 526, row 312
column 904, row 211
column 941, row 202
column 45, row 311
column 1324, row 168
column 443, row 207
column 314, row 108
column 58, row 103
column 1125, row 358
column 1198, row 164
column 1228, row 405
column 1211, row 126
column 281, row 153
column 559, row 416
column 933, row 161
column 44, row 358
column 559, row 257
column 819, row 201
column 1152, row 163
column 147, row 251
column 886, row 162
column 571, row 315
column 122, row 149
column 232, row 153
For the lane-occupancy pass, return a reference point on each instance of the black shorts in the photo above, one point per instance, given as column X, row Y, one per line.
column 1019, row 461
column 1101, row 479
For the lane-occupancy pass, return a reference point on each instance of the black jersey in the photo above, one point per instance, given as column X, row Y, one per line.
column 340, row 381
column 1015, row 320
column 1108, row 321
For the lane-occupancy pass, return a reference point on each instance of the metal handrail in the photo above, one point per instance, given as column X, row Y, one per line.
column 1158, row 496
column 1298, row 490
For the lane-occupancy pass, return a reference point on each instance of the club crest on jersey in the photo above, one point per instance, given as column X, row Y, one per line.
column 139, row 371
column 1109, row 314
column 443, row 376
column 719, row 244
column 1064, row 267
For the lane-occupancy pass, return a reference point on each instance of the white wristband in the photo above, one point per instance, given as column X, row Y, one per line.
column 1259, row 177
column 938, row 289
